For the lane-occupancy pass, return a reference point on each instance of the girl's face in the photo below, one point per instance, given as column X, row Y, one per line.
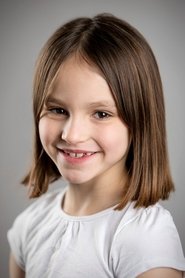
column 80, row 128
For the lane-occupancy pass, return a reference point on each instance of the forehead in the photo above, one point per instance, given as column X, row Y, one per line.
column 78, row 79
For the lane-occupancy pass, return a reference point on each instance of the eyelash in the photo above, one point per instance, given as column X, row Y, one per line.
column 58, row 111
column 100, row 115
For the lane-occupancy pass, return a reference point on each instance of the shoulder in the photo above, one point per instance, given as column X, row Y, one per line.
column 40, row 207
column 147, row 238
column 153, row 220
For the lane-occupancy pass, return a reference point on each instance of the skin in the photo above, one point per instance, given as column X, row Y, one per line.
column 14, row 270
column 80, row 116
column 162, row 273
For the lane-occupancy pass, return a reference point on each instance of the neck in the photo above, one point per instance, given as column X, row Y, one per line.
column 90, row 198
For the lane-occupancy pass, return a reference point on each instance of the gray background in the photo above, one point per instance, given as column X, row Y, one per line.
column 24, row 27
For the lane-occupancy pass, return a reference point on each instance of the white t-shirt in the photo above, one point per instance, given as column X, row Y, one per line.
column 46, row 242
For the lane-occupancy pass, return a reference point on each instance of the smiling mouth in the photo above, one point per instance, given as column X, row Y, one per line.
column 77, row 154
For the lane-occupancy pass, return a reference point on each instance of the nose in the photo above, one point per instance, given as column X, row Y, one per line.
column 75, row 131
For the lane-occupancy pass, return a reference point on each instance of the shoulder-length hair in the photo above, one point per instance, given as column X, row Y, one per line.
column 128, row 65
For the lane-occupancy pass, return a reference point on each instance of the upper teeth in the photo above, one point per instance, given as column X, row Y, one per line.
column 78, row 155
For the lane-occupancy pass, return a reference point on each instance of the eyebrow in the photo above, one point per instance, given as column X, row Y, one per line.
column 52, row 99
column 102, row 103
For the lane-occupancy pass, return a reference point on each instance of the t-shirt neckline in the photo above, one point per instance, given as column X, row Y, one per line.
column 90, row 217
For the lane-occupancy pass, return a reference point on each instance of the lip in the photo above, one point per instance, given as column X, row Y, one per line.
column 87, row 155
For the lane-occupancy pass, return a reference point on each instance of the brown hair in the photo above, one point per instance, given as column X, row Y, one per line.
column 128, row 65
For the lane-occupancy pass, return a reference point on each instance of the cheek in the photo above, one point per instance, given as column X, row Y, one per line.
column 47, row 132
column 43, row 133
column 117, row 140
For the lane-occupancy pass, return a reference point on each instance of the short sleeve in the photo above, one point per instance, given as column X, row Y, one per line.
column 148, row 241
column 23, row 234
column 16, row 237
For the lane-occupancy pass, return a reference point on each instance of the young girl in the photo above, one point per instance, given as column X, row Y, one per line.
column 100, row 124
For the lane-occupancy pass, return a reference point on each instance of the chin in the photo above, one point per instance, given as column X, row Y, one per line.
column 75, row 179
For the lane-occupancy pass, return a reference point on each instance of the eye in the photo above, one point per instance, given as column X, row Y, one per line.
column 58, row 111
column 102, row 115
